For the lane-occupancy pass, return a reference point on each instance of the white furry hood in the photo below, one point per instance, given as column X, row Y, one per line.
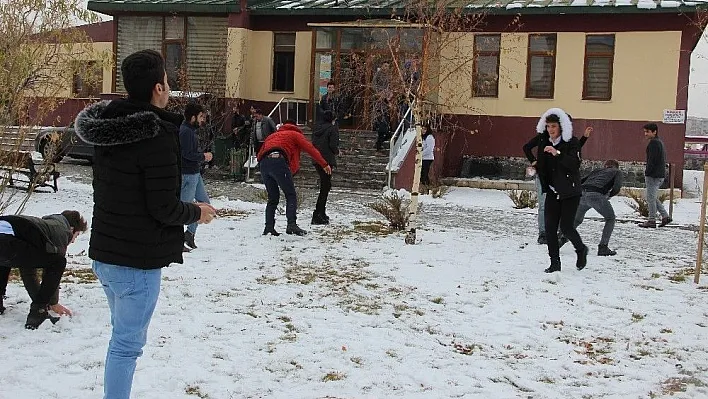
column 565, row 122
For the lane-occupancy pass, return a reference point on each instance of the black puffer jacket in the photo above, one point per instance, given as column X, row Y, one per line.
column 562, row 171
column 138, row 217
column 325, row 138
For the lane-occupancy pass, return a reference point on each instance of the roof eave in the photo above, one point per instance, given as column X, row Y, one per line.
column 119, row 8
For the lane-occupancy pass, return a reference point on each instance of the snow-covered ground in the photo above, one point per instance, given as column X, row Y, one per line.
column 346, row 313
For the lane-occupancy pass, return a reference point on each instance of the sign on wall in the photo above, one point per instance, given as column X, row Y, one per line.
column 325, row 73
column 674, row 116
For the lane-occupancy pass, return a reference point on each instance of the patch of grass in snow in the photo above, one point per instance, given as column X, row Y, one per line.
column 636, row 317
column 357, row 360
column 392, row 353
column 226, row 212
column 678, row 277
column 358, row 230
column 666, row 331
column 438, row 300
column 678, row 384
column 196, row 391
column 465, row 349
column 79, row 276
column 266, row 280
column 333, row 376
column 656, row 275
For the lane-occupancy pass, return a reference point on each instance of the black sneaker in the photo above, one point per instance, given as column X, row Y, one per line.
column 649, row 224
column 604, row 250
column 555, row 267
column 665, row 221
column 318, row 219
column 542, row 239
column 37, row 316
column 582, row 257
column 293, row 228
column 189, row 239
column 2, row 308
column 270, row 230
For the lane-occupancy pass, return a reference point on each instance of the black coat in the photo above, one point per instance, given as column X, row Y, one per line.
column 50, row 234
column 138, row 218
column 562, row 171
column 325, row 138
column 656, row 159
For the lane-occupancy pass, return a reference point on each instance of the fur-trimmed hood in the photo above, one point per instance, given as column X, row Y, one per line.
column 565, row 123
column 117, row 122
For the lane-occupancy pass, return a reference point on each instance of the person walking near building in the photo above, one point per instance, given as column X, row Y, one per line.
column 30, row 243
column 558, row 168
column 598, row 187
column 528, row 147
column 263, row 126
column 654, row 175
column 428, row 154
column 192, row 159
column 138, row 217
column 279, row 159
column 325, row 138
column 330, row 102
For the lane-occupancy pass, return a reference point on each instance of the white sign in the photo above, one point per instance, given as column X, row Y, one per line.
column 674, row 116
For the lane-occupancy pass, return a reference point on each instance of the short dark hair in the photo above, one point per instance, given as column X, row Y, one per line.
column 328, row 116
column 331, row 83
column 258, row 111
column 141, row 71
column 652, row 127
column 290, row 122
column 553, row 118
column 192, row 109
column 76, row 221
column 611, row 163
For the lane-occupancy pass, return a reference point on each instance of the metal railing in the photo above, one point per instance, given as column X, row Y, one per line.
column 397, row 139
column 301, row 118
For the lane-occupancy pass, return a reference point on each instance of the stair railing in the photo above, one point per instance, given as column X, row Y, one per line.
column 397, row 139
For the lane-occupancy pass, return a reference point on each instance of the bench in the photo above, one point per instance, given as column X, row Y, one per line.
column 37, row 173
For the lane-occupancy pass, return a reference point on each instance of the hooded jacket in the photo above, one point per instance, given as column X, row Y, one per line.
column 559, row 175
column 138, row 217
column 290, row 141
column 325, row 138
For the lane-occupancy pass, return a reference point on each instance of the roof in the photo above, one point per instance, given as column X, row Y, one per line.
column 388, row 7
column 165, row 6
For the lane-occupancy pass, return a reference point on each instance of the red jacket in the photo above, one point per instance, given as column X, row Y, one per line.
column 290, row 140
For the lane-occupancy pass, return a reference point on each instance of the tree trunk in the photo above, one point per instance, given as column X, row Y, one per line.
column 413, row 207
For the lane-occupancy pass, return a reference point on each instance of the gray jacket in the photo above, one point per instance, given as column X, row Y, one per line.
column 51, row 233
column 607, row 181
column 267, row 127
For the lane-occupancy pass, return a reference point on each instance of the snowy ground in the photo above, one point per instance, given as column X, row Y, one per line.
column 347, row 313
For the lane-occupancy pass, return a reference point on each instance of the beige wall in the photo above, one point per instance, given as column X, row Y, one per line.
column 644, row 77
column 253, row 51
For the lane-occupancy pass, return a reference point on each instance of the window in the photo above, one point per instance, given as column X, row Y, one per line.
column 486, row 65
column 87, row 80
column 599, row 57
column 173, row 51
column 283, row 62
column 541, row 66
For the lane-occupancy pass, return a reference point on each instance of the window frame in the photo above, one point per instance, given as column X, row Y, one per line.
column 611, row 57
column 485, row 53
column 534, row 53
column 183, row 43
column 273, row 89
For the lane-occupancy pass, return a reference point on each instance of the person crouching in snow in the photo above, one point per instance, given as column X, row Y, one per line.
column 279, row 160
column 559, row 173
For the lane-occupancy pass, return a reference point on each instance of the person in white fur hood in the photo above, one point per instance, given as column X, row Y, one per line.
column 558, row 167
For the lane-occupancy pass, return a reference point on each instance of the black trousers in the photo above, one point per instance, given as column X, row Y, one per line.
column 15, row 252
column 325, row 186
column 425, row 172
column 561, row 212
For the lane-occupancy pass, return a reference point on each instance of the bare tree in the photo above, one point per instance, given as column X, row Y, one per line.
column 40, row 49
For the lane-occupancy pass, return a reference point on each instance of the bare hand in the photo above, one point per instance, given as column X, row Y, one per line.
column 328, row 169
column 208, row 156
column 534, row 163
column 61, row 310
column 551, row 150
column 588, row 131
column 208, row 213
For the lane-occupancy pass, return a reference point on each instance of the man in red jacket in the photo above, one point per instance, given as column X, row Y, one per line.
column 279, row 160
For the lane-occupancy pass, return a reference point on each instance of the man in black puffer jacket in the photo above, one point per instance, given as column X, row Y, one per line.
column 559, row 173
column 138, row 218
column 325, row 138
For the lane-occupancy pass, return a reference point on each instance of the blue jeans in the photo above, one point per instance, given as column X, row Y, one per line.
column 653, row 185
column 277, row 176
column 193, row 190
column 132, row 296
column 541, row 196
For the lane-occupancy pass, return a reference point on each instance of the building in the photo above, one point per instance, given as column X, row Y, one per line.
column 612, row 64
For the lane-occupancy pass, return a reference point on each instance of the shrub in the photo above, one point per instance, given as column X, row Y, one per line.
column 394, row 208
column 523, row 198
column 639, row 203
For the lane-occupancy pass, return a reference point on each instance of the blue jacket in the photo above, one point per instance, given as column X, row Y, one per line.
column 192, row 158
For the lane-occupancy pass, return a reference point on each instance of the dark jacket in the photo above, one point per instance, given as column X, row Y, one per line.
column 267, row 127
column 656, row 159
column 330, row 103
column 533, row 143
column 562, row 171
column 325, row 138
column 192, row 158
column 50, row 234
column 607, row 181
column 138, row 217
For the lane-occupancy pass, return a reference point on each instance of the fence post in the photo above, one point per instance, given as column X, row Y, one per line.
column 702, row 224
column 672, row 172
